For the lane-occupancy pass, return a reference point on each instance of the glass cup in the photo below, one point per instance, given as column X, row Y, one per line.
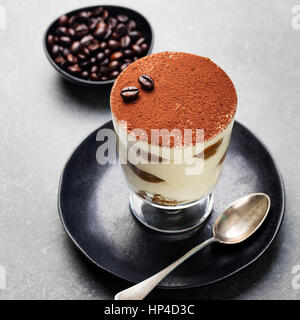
column 167, row 194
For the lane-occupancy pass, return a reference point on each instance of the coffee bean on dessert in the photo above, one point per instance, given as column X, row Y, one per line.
column 63, row 20
column 131, row 25
column 114, row 65
column 121, row 29
column 134, row 35
column 114, row 74
column 65, row 40
column 113, row 44
column 122, row 18
column 129, row 93
column 146, row 82
column 81, row 30
column 137, row 49
column 74, row 69
column 72, row 59
column 125, row 42
column 76, row 47
column 85, row 41
column 140, row 41
column 117, row 56
column 100, row 56
column 50, row 40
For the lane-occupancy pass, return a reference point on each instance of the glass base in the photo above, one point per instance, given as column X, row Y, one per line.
column 170, row 220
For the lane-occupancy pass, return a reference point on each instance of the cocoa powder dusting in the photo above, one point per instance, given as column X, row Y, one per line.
column 191, row 92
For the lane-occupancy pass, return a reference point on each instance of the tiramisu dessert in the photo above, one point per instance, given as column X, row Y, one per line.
column 173, row 91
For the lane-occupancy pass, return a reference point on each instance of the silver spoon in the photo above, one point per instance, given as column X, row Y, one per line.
column 237, row 223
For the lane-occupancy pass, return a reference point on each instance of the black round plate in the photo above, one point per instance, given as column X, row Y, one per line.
column 94, row 209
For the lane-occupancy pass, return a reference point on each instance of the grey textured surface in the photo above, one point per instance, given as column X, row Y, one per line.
column 42, row 118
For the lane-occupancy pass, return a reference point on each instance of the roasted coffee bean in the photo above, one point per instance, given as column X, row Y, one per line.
column 81, row 30
column 85, row 65
column 85, row 75
column 76, row 47
column 135, row 58
column 140, row 41
column 73, row 21
column 65, row 40
column 103, row 45
column 107, row 34
column 50, row 40
column 107, row 52
column 94, row 69
column 104, row 69
column 134, row 35
column 63, row 20
column 129, row 93
column 94, row 48
column 121, row 29
column 83, row 16
column 85, row 51
column 61, row 61
column 115, row 36
column 94, row 77
column 103, row 78
column 55, row 50
column 100, row 56
column 113, row 44
column 122, row 18
column 112, row 22
column 125, row 42
column 117, row 56
column 105, row 14
column 99, row 33
column 98, row 11
column 146, row 82
column 128, row 60
column 72, row 59
column 105, row 62
column 62, row 31
column 144, row 47
column 66, row 52
column 128, row 53
column 81, row 57
column 114, row 74
column 71, row 32
column 75, row 69
column 92, row 25
column 114, row 65
column 137, row 49
column 85, row 41
column 124, row 66
column 93, row 60
column 131, row 25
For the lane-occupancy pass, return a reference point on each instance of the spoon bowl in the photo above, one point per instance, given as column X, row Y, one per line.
column 242, row 218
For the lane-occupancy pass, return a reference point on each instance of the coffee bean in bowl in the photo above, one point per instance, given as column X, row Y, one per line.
column 93, row 45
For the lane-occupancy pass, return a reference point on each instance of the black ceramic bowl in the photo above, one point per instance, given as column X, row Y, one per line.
column 143, row 26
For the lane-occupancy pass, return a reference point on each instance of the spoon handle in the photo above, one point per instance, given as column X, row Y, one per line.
column 142, row 289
